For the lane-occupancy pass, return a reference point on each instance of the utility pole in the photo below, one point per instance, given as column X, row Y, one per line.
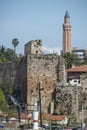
column 83, row 125
column 40, row 105
column 18, row 109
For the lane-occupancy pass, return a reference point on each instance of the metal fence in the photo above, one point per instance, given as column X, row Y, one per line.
column 9, row 129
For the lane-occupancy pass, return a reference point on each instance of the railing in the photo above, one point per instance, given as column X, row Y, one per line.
column 19, row 129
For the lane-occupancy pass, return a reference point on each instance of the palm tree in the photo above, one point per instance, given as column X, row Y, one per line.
column 2, row 49
column 69, row 57
column 15, row 43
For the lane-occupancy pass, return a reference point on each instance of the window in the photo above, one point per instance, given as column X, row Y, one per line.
column 36, row 52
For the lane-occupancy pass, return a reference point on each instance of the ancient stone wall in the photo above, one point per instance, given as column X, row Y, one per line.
column 33, row 47
column 32, row 69
column 46, row 69
column 8, row 72
column 22, row 77
column 69, row 100
column 12, row 74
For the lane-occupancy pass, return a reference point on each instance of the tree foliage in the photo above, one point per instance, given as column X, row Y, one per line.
column 7, row 55
column 76, row 60
column 3, row 102
column 15, row 42
column 85, row 60
column 68, row 59
column 4, row 106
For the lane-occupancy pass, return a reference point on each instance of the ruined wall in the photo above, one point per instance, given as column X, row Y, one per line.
column 22, row 77
column 32, row 69
column 8, row 72
column 48, row 70
column 69, row 100
column 13, row 72
column 33, row 47
column 45, row 69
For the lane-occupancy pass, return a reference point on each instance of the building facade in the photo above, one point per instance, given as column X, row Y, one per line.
column 74, row 74
column 66, row 34
column 79, row 53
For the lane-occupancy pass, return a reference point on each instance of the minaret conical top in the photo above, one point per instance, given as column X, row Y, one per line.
column 67, row 14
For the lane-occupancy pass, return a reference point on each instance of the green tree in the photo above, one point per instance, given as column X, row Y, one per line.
column 9, row 54
column 15, row 42
column 3, row 102
column 68, row 59
column 4, row 105
column 76, row 60
column 85, row 60
column 2, row 58
column 2, row 49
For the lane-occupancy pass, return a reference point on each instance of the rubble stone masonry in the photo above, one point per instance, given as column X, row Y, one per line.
column 46, row 70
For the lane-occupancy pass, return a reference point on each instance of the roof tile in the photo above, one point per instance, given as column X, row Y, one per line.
column 82, row 68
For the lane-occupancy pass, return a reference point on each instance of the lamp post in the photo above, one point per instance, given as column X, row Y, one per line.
column 83, row 124
column 18, row 110
column 40, row 105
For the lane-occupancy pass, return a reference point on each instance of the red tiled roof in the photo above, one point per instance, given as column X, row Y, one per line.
column 57, row 118
column 47, row 116
column 22, row 116
column 82, row 68
column 3, row 115
column 54, row 117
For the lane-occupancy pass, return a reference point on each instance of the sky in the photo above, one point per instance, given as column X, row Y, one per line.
column 29, row 20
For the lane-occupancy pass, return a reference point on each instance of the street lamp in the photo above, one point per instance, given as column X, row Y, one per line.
column 40, row 105
column 83, row 124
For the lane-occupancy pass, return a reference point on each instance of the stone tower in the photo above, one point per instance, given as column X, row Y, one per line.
column 33, row 47
column 66, row 34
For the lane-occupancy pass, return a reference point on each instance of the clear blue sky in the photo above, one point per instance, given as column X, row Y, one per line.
column 42, row 19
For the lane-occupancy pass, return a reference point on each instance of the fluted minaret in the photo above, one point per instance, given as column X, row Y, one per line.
column 66, row 33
